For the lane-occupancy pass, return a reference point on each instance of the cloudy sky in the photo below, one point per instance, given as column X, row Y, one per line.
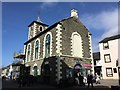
column 100, row 18
column 105, row 23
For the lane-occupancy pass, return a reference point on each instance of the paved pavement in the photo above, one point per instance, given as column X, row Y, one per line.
column 104, row 84
column 109, row 83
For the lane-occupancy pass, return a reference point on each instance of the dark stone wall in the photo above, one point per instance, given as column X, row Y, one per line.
column 70, row 62
column 70, row 26
column 52, row 64
column 53, row 31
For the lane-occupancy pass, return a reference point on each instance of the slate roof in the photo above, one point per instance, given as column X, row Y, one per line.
column 48, row 29
column 40, row 33
column 110, row 38
column 38, row 23
column 96, row 56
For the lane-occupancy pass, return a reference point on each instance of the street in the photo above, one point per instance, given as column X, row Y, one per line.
column 13, row 84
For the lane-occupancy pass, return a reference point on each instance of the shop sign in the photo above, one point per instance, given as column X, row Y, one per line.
column 87, row 65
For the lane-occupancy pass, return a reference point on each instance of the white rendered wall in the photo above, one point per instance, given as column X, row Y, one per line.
column 113, row 51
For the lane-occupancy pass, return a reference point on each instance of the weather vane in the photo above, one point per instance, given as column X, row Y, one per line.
column 38, row 19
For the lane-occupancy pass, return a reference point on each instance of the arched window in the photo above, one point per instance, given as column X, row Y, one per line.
column 36, row 49
column 28, row 53
column 77, row 45
column 35, row 70
column 31, row 32
column 40, row 28
column 47, row 46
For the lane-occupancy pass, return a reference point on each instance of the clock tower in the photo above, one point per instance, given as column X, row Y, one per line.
column 36, row 27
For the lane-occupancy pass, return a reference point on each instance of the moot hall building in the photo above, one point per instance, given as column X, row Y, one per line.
column 58, row 51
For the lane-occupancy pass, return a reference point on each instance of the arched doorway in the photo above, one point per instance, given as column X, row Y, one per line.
column 77, row 69
column 35, row 71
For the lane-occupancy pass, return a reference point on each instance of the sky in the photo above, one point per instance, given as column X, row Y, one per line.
column 101, row 19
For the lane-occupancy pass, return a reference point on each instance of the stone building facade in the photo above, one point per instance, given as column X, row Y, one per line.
column 53, row 52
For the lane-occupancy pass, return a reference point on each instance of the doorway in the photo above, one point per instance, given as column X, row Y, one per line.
column 46, row 73
column 119, row 74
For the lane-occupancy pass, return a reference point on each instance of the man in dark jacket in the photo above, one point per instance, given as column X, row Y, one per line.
column 90, row 80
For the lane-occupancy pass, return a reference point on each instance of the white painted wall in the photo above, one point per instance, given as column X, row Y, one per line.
column 113, row 51
column 119, row 52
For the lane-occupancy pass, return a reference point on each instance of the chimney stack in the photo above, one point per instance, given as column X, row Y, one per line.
column 74, row 13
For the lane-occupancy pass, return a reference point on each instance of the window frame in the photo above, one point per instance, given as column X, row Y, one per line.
column 41, row 28
column 105, row 47
column 105, row 58
column 28, row 53
column 39, row 52
column 109, row 75
column 47, row 45
column 37, row 48
column 51, row 43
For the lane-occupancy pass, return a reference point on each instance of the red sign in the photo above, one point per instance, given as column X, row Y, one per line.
column 87, row 65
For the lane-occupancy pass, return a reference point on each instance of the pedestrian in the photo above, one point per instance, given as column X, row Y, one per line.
column 77, row 78
column 97, row 78
column 90, row 80
column 81, row 80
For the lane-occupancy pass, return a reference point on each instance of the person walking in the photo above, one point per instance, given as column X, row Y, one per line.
column 81, row 79
column 97, row 77
column 77, row 78
column 90, row 80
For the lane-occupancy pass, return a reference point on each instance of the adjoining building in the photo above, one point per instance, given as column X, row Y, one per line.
column 110, row 58
column 97, row 63
column 58, row 51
